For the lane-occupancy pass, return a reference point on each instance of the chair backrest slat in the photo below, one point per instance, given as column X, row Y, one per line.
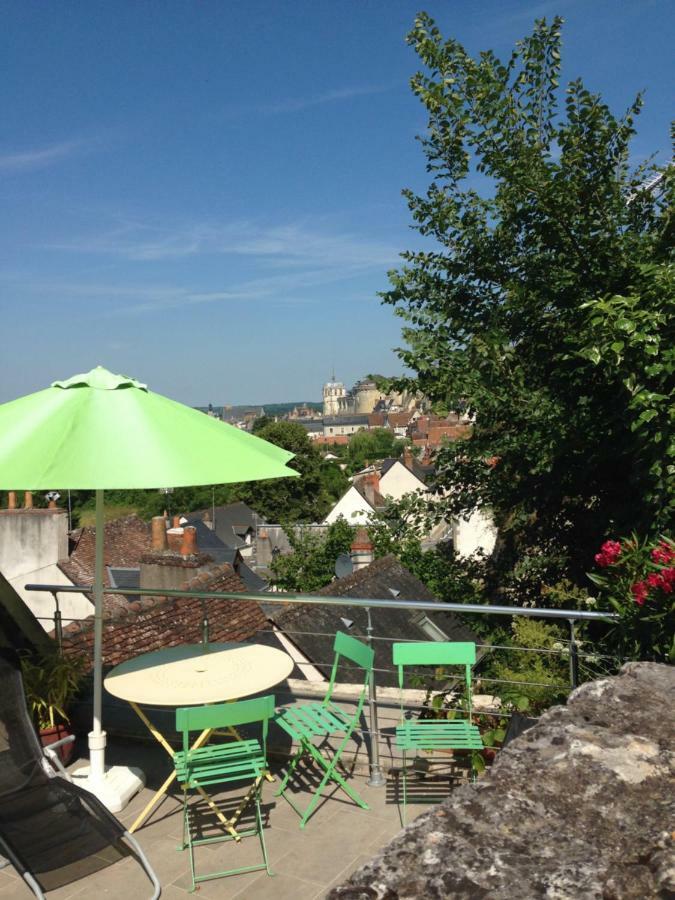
column 435, row 653
column 354, row 650
column 357, row 652
column 221, row 715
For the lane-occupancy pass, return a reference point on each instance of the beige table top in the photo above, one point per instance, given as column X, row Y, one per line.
column 191, row 675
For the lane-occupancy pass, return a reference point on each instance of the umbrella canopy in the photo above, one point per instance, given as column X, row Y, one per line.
column 105, row 431
column 102, row 431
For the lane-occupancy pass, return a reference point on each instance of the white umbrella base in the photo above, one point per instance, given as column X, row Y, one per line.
column 115, row 788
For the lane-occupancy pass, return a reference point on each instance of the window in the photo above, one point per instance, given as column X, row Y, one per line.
column 430, row 628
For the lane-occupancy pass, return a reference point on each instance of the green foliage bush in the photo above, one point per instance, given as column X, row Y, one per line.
column 532, row 678
column 312, row 564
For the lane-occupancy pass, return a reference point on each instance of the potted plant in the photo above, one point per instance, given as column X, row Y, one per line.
column 50, row 681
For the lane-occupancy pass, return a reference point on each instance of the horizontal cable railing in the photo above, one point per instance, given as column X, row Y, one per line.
column 569, row 649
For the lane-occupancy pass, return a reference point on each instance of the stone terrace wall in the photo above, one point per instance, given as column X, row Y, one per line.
column 580, row 806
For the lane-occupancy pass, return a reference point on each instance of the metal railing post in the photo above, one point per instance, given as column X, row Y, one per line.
column 574, row 657
column 377, row 778
column 58, row 623
column 205, row 624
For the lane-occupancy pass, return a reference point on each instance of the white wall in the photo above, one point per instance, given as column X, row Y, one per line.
column 398, row 481
column 31, row 539
column 41, row 604
column 353, row 507
column 31, row 543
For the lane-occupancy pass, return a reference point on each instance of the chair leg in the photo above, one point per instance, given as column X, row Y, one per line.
column 330, row 774
column 405, row 789
column 33, row 885
column 191, row 851
column 183, row 843
column 142, row 858
column 261, row 833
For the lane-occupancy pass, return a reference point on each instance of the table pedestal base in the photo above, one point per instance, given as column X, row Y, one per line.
column 115, row 788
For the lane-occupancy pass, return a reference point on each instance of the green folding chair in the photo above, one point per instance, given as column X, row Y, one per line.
column 240, row 760
column 413, row 735
column 306, row 722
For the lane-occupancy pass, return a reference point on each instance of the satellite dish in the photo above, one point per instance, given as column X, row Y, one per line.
column 52, row 495
column 394, row 592
column 348, row 623
column 344, row 565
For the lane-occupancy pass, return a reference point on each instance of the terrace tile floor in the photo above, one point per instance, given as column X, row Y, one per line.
column 338, row 839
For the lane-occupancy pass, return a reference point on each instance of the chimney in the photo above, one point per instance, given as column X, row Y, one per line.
column 174, row 538
column 189, row 545
column 170, row 569
column 408, row 458
column 159, row 541
column 11, row 500
column 371, row 486
column 361, row 550
column 28, row 499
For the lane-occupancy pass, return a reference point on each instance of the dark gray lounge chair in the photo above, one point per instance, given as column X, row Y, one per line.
column 52, row 831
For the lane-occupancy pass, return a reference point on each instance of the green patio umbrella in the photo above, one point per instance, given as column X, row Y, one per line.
column 101, row 431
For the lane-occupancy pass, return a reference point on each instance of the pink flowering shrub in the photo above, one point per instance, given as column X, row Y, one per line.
column 638, row 582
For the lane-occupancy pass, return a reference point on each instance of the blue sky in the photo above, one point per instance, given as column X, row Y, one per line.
column 206, row 195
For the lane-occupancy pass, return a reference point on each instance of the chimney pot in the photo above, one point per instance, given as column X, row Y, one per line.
column 51, row 504
column 189, row 545
column 11, row 500
column 159, row 542
column 371, row 485
column 361, row 550
column 28, row 499
column 175, row 522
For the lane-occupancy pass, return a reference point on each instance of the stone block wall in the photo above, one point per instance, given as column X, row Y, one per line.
column 579, row 806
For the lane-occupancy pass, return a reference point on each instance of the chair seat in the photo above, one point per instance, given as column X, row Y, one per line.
column 435, row 734
column 219, row 763
column 313, row 720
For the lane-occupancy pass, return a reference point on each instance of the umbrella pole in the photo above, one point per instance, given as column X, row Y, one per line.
column 97, row 737
column 114, row 786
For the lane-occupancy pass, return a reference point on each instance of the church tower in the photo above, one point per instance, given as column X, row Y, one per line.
column 332, row 392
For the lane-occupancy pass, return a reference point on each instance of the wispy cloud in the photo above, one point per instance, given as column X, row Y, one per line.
column 337, row 95
column 279, row 264
column 299, row 244
column 39, row 158
column 115, row 300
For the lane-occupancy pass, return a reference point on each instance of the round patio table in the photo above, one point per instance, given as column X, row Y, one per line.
column 192, row 676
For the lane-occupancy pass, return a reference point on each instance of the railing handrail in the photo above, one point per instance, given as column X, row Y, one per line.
column 376, row 775
column 358, row 602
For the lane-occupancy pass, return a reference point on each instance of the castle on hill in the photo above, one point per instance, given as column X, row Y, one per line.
column 363, row 399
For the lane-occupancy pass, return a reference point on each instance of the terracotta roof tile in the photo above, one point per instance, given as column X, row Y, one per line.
column 151, row 623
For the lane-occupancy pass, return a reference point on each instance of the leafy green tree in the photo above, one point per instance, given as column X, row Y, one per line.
column 312, row 563
column 260, row 423
column 543, row 302
column 400, row 528
column 302, row 499
column 367, row 447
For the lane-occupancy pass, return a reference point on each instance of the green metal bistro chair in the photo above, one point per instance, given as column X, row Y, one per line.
column 238, row 760
column 413, row 735
column 306, row 722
